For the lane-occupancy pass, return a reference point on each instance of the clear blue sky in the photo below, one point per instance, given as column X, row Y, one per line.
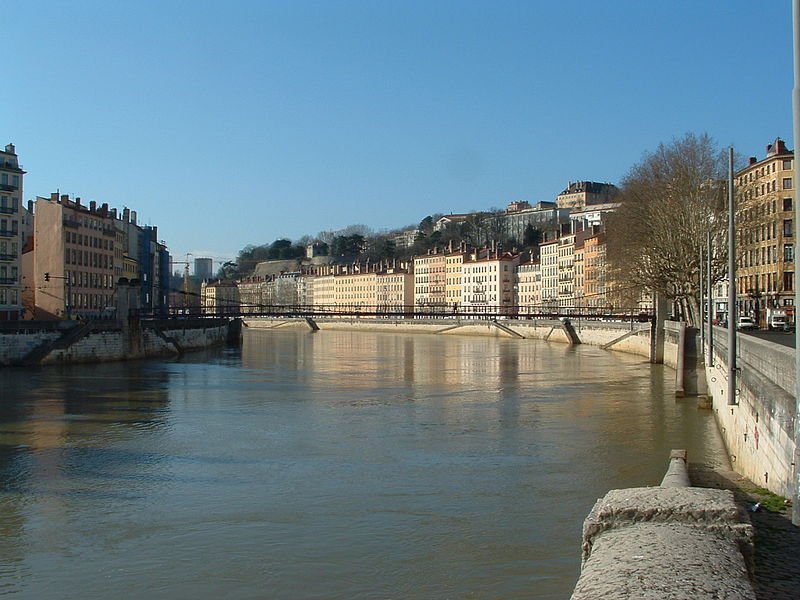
column 238, row 122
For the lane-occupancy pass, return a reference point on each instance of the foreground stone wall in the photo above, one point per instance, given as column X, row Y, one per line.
column 758, row 430
column 672, row 541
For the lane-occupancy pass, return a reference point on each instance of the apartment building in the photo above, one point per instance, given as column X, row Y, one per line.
column 594, row 271
column 548, row 252
column 766, row 202
column 355, row 290
column 73, row 263
column 566, row 271
column 529, row 285
column 453, row 288
column 219, row 298
column 430, row 282
column 488, row 282
column 395, row 290
column 256, row 294
column 12, row 237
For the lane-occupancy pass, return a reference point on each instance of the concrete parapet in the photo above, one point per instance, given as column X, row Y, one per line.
column 678, row 471
column 676, row 542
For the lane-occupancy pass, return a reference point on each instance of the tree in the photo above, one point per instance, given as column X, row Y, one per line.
column 228, row 270
column 531, row 236
column 669, row 202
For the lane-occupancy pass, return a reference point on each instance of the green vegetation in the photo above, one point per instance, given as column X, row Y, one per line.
column 769, row 501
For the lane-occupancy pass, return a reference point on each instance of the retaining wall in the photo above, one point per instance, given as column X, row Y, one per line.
column 108, row 342
column 634, row 338
column 759, row 430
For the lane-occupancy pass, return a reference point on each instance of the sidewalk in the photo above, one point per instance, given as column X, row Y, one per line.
column 777, row 544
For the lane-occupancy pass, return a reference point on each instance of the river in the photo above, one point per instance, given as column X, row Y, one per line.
column 333, row 465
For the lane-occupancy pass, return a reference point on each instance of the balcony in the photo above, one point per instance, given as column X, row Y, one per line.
column 7, row 187
column 7, row 257
column 10, row 166
column 110, row 231
column 8, row 233
column 8, row 280
column 71, row 223
column 7, row 210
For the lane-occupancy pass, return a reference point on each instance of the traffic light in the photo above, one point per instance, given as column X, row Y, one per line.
column 47, row 276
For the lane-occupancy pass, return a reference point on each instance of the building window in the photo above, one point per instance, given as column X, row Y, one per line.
column 788, row 253
column 788, row 282
column 787, row 164
column 787, row 228
column 787, row 204
column 787, row 183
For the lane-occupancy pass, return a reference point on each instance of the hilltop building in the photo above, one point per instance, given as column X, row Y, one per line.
column 580, row 194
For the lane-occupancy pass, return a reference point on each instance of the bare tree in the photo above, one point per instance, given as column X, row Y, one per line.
column 669, row 202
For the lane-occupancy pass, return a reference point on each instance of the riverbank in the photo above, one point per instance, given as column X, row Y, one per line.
column 32, row 343
column 776, row 570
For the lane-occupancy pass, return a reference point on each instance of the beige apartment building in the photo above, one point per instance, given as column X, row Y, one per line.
column 594, row 271
column 488, row 282
column 566, row 271
column 529, row 286
column 12, row 237
column 430, row 282
column 548, row 253
column 453, row 288
column 395, row 291
column 73, row 265
column 766, row 202
column 356, row 291
column 323, row 289
column 219, row 298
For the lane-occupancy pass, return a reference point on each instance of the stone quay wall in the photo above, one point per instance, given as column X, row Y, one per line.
column 758, row 430
column 71, row 342
column 630, row 337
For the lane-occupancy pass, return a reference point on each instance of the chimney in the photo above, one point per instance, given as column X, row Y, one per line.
column 54, row 197
column 126, row 214
column 65, row 200
column 30, row 206
column 92, row 205
column 11, row 149
column 133, row 217
column 114, row 213
column 753, row 160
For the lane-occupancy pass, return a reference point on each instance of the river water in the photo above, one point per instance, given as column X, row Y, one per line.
column 331, row 465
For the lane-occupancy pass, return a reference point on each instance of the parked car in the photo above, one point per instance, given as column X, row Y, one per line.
column 745, row 324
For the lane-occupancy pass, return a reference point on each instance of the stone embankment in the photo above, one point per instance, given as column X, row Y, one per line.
column 31, row 344
column 625, row 336
column 669, row 542
column 757, row 425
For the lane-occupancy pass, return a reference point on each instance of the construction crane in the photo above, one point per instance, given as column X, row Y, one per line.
column 185, row 286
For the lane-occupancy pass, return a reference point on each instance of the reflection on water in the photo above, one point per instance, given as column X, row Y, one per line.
column 328, row 465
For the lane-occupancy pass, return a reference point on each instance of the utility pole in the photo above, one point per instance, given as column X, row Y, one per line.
column 710, row 337
column 732, row 283
column 796, row 123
